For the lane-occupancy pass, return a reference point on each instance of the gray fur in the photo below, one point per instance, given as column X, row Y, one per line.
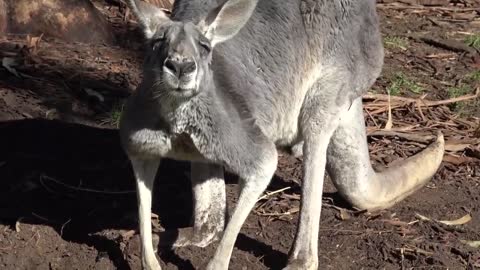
column 280, row 73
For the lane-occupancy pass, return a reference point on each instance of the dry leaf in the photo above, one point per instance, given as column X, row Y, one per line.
column 33, row 43
column 127, row 235
column 456, row 160
column 456, row 147
column 17, row 225
column 344, row 215
column 474, row 244
column 422, row 217
column 293, row 210
column 395, row 222
column 463, row 220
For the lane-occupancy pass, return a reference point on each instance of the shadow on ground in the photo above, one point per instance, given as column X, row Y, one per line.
column 78, row 180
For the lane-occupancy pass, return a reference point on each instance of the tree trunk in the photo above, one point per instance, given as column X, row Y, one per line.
column 70, row 20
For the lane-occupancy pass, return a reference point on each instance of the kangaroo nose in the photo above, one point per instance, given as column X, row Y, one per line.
column 179, row 68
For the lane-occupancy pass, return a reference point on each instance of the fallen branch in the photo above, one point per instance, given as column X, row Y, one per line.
column 406, row 136
column 450, row 45
column 401, row 7
column 397, row 102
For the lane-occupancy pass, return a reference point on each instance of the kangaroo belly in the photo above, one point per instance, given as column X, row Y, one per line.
column 281, row 126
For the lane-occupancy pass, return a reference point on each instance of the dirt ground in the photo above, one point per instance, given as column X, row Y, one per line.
column 67, row 197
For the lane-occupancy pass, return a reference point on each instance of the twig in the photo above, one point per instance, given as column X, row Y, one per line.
column 372, row 118
column 353, row 231
column 389, row 124
column 406, row 136
column 63, row 226
column 85, row 189
column 403, row 101
column 268, row 194
column 287, row 213
column 42, row 218
column 335, row 207
column 7, row 248
column 389, row 6
column 452, row 100
column 448, row 45
column 416, row 251
column 424, row 119
column 33, row 236
column 423, row 102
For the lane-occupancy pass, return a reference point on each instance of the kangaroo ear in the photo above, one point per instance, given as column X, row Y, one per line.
column 226, row 20
column 149, row 16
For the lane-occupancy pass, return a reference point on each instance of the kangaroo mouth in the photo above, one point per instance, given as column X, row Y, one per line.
column 180, row 85
column 183, row 89
column 181, row 92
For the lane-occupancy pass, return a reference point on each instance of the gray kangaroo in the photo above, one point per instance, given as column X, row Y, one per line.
column 228, row 82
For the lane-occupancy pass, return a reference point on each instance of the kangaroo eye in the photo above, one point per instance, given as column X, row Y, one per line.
column 157, row 41
column 206, row 46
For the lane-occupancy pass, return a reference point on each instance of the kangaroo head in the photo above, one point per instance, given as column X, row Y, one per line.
column 179, row 53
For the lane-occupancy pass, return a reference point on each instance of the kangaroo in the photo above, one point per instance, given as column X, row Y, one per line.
column 227, row 83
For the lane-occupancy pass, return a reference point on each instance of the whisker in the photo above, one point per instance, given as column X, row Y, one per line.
column 156, row 89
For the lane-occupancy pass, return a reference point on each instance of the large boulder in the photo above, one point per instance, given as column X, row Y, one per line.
column 70, row 20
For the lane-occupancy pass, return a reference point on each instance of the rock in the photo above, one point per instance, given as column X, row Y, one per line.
column 69, row 20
